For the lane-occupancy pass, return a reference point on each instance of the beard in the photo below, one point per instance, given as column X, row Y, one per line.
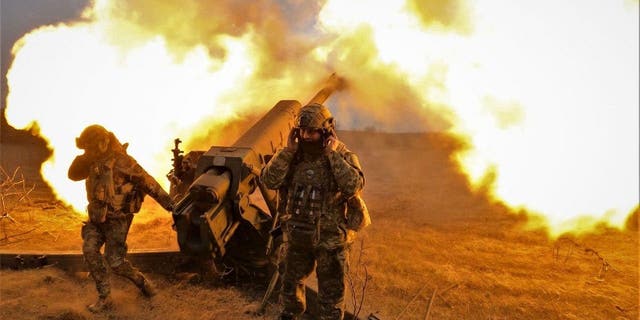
column 312, row 148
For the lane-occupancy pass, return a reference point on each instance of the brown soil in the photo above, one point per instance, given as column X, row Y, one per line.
column 429, row 231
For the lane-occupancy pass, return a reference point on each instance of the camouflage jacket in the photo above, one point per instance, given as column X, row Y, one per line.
column 316, row 192
column 116, row 184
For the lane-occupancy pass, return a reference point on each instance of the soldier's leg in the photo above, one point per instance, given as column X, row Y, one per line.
column 298, row 265
column 92, row 241
column 116, row 252
column 331, row 270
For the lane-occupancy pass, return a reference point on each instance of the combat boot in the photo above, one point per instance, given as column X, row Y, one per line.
column 147, row 288
column 101, row 305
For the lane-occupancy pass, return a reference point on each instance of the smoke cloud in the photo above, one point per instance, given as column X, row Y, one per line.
column 285, row 37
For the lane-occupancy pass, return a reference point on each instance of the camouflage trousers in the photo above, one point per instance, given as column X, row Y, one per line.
column 113, row 235
column 299, row 262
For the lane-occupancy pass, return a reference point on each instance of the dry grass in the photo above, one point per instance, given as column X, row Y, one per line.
column 500, row 275
column 53, row 294
column 428, row 231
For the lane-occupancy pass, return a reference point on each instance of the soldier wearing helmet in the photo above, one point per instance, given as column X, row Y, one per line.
column 116, row 185
column 317, row 176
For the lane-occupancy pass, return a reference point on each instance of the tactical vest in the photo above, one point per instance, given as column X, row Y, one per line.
column 110, row 193
column 311, row 189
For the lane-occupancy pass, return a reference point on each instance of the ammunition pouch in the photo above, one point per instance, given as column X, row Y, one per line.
column 133, row 201
column 357, row 214
column 97, row 211
column 306, row 203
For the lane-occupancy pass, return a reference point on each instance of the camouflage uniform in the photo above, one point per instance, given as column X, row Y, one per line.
column 314, row 224
column 116, row 185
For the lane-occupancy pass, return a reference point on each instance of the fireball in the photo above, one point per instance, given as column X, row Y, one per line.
column 545, row 93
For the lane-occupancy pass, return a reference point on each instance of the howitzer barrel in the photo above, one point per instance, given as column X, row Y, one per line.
column 221, row 201
column 271, row 132
column 333, row 83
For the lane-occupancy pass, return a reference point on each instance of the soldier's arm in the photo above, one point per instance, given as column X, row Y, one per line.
column 275, row 172
column 79, row 168
column 353, row 160
column 346, row 170
column 147, row 183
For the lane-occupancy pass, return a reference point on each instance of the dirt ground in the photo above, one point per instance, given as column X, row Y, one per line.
column 429, row 232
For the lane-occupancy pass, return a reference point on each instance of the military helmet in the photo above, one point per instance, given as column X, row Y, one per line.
column 316, row 116
column 91, row 135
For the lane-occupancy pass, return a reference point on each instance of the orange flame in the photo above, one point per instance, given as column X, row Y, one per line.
column 550, row 109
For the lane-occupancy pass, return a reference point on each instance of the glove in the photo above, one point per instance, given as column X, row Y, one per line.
column 292, row 141
column 332, row 143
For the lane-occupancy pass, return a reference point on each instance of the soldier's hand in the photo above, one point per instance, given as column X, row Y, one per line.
column 332, row 144
column 89, row 155
column 293, row 140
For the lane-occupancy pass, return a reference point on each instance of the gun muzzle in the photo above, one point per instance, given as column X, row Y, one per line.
column 331, row 85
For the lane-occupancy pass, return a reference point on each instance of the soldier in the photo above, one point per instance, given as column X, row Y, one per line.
column 116, row 185
column 317, row 175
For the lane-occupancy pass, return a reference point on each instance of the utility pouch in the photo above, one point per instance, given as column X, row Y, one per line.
column 133, row 201
column 357, row 214
column 97, row 212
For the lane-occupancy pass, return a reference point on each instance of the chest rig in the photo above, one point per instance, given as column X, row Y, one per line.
column 110, row 191
column 312, row 185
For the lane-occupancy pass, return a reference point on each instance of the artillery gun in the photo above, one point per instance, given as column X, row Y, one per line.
column 223, row 211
